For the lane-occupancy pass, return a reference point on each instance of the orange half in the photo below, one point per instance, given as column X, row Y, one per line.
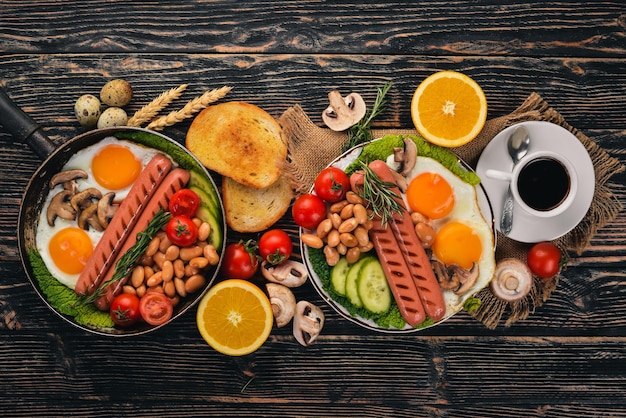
column 449, row 109
column 235, row 317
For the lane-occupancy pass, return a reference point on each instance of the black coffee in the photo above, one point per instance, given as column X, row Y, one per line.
column 543, row 183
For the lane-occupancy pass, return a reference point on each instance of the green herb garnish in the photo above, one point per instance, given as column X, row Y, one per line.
column 360, row 132
column 379, row 195
column 129, row 260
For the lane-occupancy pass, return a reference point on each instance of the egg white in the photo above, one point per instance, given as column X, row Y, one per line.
column 466, row 210
column 81, row 160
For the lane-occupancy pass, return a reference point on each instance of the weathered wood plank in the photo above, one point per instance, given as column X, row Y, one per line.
column 457, row 28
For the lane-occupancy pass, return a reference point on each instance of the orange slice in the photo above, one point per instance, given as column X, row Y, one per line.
column 449, row 109
column 235, row 317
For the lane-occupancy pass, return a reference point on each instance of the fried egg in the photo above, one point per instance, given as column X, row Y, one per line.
column 112, row 165
column 463, row 236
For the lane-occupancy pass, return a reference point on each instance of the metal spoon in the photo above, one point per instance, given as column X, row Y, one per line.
column 517, row 146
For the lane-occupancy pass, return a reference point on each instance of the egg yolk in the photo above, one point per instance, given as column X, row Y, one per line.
column 457, row 243
column 115, row 167
column 70, row 248
column 431, row 195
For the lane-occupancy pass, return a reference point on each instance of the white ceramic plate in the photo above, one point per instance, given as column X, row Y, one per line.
column 544, row 136
column 342, row 162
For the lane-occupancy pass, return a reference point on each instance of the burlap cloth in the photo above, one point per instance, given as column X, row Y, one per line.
column 312, row 148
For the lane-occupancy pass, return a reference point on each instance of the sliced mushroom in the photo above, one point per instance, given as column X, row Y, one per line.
column 85, row 198
column 343, row 112
column 409, row 156
column 289, row 273
column 283, row 303
column 60, row 206
column 512, row 280
column 401, row 181
column 106, row 209
column 307, row 322
column 89, row 218
column 466, row 278
column 454, row 277
column 68, row 179
column 446, row 280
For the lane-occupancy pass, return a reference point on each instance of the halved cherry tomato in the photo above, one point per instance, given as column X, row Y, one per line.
column 308, row 211
column 275, row 246
column 181, row 231
column 184, row 202
column 544, row 259
column 332, row 184
column 155, row 308
column 125, row 309
column 240, row 260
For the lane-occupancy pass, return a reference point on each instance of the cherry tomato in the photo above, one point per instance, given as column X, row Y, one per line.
column 308, row 211
column 332, row 184
column 544, row 260
column 181, row 231
column 184, row 202
column 240, row 260
column 125, row 309
column 155, row 308
column 275, row 246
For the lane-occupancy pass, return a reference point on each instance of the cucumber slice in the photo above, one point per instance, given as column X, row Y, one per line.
column 198, row 181
column 217, row 235
column 352, row 292
column 338, row 276
column 373, row 288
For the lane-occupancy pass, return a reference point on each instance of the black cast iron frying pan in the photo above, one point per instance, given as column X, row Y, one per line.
column 23, row 128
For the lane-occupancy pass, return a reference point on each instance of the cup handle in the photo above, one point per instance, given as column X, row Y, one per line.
column 498, row 175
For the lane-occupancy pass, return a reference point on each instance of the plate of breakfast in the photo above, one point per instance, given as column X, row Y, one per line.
column 421, row 259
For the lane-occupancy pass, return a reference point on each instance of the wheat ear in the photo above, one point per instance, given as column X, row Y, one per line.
column 190, row 109
column 151, row 109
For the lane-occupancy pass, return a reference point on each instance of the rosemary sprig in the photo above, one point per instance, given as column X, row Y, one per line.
column 129, row 260
column 361, row 132
column 380, row 196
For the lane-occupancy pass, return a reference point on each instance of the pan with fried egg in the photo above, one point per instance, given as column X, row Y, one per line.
column 112, row 158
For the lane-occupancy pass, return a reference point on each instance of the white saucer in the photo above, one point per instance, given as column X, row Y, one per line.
column 543, row 136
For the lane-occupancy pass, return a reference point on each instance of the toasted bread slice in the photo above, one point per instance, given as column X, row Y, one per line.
column 239, row 140
column 249, row 209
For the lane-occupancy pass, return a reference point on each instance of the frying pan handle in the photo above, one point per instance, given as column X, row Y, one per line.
column 23, row 127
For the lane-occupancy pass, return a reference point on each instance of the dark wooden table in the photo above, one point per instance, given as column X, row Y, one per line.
column 567, row 360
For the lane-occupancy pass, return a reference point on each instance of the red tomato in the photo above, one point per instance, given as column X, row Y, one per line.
column 240, row 260
column 184, row 202
column 308, row 211
column 544, row 259
column 181, row 231
column 155, row 308
column 125, row 309
column 275, row 246
column 332, row 184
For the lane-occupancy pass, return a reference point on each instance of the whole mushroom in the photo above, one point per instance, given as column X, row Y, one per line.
column 512, row 280
column 307, row 322
column 283, row 303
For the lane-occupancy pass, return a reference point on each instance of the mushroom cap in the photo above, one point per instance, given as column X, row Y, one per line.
column 60, row 206
column 84, row 199
column 289, row 273
column 512, row 280
column 88, row 217
column 106, row 209
column 307, row 322
column 343, row 112
column 283, row 303
column 67, row 176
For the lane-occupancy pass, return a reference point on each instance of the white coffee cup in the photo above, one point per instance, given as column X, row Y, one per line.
column 543, row 183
